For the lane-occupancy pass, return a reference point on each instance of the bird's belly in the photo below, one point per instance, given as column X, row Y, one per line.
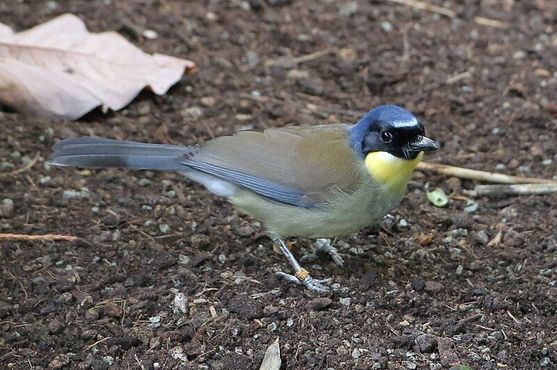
column 345, row 214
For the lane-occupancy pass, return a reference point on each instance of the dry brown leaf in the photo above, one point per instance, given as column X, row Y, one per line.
column 60, row 69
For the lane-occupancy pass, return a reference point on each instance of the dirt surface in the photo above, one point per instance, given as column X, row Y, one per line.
column 430, row 288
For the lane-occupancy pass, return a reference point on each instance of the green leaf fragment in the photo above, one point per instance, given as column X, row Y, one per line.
column 438, row 197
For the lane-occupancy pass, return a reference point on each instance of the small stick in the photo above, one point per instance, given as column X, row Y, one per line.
column 28, row 166
column 425, row 6
column 490, row 22
column 45, row 237
column 518, row 189
column 466, row 173
column 422, row 5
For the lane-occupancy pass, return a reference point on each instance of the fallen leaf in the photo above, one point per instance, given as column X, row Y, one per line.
column 272, row 360
column 59, row 69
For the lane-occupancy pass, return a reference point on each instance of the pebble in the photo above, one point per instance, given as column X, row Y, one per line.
column 7, row 207
column 46, row 181
column 471, row 208
column 481, row 237
column 181, row 302
column 426, row 343
column 433, row 286
column 347, row 54
column 59, row 361
column 345, row 301
column 113, row 310
column 150, row 34
column 164, row 228
column 386, row 26
column 208, row 101
column 356, row 353
column 245, row 231
column 348, row 8
column 319, row 304
column 56, row 326
column 177, row 353
column 193, row 113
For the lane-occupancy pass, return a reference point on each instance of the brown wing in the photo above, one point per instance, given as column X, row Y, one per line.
column 309, row 162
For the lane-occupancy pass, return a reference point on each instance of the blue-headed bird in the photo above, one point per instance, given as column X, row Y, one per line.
column 305, row 181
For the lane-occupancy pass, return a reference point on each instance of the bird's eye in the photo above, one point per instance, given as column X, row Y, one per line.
column 386, row 136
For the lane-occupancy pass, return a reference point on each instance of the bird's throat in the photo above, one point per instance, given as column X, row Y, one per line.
column 389, row 170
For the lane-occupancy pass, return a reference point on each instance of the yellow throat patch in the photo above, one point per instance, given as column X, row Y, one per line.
column 389, row 170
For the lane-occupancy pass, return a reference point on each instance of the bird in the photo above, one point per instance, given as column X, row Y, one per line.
column 308, row 181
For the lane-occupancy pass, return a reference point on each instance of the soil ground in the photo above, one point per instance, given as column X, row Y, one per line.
column 430, row 288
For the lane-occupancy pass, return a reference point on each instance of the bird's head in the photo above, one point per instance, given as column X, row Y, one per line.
column 391, row 141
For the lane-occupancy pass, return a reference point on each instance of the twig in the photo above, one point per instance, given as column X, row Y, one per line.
column 458, row 77
column 298, row 60
column 27, row 167
column 490, row 22
column 425, row 6
column 520, row 189
column 466, row 173
column 422, row 5
column 45, row 237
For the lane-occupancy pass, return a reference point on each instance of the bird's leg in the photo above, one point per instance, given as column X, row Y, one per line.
column 324, row 246
column 301, row 275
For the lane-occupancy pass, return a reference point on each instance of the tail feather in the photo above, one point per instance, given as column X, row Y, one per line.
column 100, row 152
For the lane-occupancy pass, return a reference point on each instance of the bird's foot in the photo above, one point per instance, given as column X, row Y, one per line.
column 303, row 278
column 324, row 246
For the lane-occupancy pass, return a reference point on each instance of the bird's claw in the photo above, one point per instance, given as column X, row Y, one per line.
column 315, row 285
column 324, row 246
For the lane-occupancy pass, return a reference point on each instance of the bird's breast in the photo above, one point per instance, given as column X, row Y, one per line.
column 390, row 171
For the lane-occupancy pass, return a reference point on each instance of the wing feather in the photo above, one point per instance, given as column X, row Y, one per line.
column 302, row 166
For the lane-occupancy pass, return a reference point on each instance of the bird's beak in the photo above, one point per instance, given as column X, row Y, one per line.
column 420, row 144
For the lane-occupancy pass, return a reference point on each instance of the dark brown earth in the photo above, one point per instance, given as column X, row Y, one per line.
column 425, row 290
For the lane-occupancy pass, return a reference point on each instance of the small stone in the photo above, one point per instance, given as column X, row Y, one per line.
column 70, row 194
column 192, row 113
column 200, row 241
column 403, row 223
column 164, row 228
column 454, row 184
column 409, row 365
column 386, row 26
column 272, row 326
column 345, row 301
column 55, row 326
column 59, row 361
column 356, row 353
column 180, row 302
column 113, row 310
column 481, row 237
column 208, row 101
column 433, row 286
column 348, row 8
column 155, row 321
column 319, row 304
column 417, row 283
column 89, row 334
column 347, row 54
column 426, row 343
column 7, row 207
column 177, row 353
column 46, row 181
column 245, row 231
column 144, row 182
column 150, row 34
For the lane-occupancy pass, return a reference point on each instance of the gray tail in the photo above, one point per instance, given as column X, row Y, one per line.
column 99, row 152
